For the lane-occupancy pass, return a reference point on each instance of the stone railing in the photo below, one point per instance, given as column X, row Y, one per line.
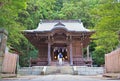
column 79, row 61
column 39, row 62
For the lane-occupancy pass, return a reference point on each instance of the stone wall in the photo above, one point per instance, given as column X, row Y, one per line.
column 34, row 70
column 3, row 39
column 84, row 70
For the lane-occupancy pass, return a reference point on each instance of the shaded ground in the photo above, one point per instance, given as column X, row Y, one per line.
column 58, row 78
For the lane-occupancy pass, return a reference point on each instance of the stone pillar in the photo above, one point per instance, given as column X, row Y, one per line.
column 88, row 54
column 3, row 39
column 49, row 54
column 71, row 56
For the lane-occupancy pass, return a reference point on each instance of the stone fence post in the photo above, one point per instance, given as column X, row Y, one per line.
column 3, row 39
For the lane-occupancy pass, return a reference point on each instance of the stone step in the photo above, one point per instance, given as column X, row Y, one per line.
column 52, row 70
column 66, row 70
column 59, row 70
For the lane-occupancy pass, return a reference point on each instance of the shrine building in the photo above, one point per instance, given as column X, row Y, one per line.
column 66, row 36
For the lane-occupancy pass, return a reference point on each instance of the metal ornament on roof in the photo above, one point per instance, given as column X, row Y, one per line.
column 59, row 24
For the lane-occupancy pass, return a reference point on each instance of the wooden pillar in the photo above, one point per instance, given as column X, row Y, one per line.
column 49, row 55
column 71, row 56
column 88, row 54
column 82, row 49
column 68, row 53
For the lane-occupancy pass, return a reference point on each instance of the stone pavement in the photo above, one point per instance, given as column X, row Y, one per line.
column 57, row 78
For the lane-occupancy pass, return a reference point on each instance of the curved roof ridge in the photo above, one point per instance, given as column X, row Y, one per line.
column 70, row 25
column 50, row 21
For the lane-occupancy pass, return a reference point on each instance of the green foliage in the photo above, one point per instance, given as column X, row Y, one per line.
column 107, row 26
column 98, row 56
column 106, row 17
column 78, row 10
column 9, row 10
column 25, row 58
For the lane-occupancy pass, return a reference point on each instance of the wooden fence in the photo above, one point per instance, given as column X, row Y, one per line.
column 112, row 62
column 9, row 63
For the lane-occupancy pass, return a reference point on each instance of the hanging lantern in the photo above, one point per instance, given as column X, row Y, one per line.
column 63, row 58
column 66, row 50
column 54, row 49
column 55, row 57
column 66, row 57
column 63, row 50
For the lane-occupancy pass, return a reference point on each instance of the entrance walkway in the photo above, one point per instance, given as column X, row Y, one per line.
column 58, row 78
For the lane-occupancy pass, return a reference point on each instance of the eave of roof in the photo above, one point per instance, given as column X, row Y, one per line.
column 68, row 25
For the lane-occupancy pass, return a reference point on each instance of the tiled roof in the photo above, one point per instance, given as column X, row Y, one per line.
column 70, row 25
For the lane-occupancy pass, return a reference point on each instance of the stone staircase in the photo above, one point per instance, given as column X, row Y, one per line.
column 66, row 70
column 59, row 70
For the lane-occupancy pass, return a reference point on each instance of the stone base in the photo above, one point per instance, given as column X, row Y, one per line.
column 8, row 75
column 112, row 75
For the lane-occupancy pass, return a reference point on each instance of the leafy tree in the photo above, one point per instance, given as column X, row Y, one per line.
column 79, row 9
column 25, row 58
column 108, row 25
column 107, row 17
column 98, row 56
column 9, row 10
